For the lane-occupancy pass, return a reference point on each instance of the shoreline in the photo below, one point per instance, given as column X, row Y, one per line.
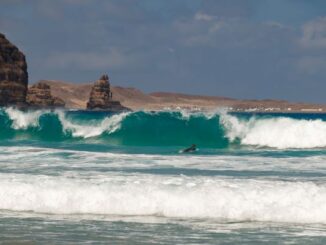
column 205, row 110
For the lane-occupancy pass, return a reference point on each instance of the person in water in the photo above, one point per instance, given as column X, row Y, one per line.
column 192, row 148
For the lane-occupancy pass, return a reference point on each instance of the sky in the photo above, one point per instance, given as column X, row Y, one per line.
column 246, row 49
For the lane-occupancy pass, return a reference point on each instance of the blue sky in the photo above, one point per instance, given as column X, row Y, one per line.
column 237, row 48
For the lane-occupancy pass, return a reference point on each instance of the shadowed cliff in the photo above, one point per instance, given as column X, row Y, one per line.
column 13, row 74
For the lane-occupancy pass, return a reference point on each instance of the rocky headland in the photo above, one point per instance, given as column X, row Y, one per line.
column 14, row 90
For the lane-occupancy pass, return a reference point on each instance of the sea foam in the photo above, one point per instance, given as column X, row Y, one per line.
column 23, row 120
column 184, row 197
column 277, row 132
column 108, row 125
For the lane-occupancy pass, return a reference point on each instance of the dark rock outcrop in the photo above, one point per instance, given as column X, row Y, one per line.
column 101, row 97
column 13, row 75
column 39, row 96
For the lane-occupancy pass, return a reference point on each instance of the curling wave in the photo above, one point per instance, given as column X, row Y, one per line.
column 214, row 130
column 276, row 132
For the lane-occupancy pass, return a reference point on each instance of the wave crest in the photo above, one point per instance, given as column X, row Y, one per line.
column 24, row 120
column 213, row 130
column 277, row 132
column 92, row 129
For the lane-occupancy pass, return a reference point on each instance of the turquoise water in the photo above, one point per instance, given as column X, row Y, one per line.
column 78, row 177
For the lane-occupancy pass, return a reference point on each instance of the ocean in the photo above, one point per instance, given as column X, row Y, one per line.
column 81, row 177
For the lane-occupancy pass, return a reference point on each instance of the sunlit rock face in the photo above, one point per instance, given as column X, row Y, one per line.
column 39, row 95
column 101, row 97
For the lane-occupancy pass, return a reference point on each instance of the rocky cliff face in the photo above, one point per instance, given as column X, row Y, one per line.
column 39, row 96
column 101, row 97
column 13, row 74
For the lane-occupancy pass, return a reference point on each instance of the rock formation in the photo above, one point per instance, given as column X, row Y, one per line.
column 13, row 74
column 39, row 96
column 101, row 97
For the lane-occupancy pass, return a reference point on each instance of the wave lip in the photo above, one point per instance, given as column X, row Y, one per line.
column 225, row 199
column 108, row 125
column 24, row 120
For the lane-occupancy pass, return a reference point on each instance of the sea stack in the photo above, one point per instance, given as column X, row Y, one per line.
column 13, row 75
column 101, row 97
column 39, row 96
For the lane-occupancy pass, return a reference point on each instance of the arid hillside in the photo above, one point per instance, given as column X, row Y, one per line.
column 76, row 96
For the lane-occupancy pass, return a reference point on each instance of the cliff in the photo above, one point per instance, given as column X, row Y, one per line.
column 13, row 74
column 101, row 97
column 39, row 96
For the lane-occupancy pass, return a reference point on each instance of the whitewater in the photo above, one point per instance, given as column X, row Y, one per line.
column 255, row 177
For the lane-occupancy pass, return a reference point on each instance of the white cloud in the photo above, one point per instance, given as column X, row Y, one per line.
column 314, row 33
column 216, row 26
column 275, row 24
column 199, row 30
column 200, row 16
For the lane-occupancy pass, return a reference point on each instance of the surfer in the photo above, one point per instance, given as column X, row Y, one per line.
column 192, row 148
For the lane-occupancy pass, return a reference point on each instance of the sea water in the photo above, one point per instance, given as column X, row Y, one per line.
column 80, row 177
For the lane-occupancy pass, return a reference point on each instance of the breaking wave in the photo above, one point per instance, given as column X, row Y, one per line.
column 276, row 132
column 227, row 199
column 214, row 130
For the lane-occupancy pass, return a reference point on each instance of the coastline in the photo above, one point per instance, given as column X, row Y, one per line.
column 77, row 94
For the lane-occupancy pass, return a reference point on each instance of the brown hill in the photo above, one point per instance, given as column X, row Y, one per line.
column 76, row 96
